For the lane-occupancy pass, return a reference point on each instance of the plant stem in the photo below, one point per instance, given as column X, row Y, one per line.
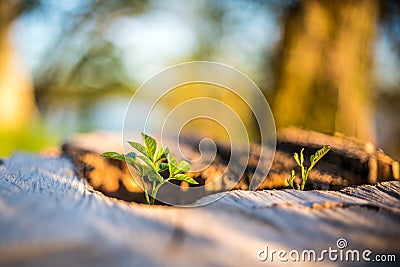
column 153, row 193
column 145, row 190
column 303, row 176
column 306, row 173
column 157, row 187
column 302, row 184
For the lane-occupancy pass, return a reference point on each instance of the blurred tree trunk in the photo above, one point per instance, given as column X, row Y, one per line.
column 17, row 105
column 323, row 77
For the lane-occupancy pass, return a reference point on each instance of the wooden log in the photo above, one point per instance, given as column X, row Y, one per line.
column 362, row 159
column 350, row 162
column 51, row 217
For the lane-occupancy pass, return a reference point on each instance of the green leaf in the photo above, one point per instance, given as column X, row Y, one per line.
column 151, row 145
column 166, row 151
column 173, row 165
column 318, row 155
column 153, row 176
column 161, row 153
column 139, row 147
column 162, row 166
column 148, row 170
column 291, row 179
column 147, row 161
column 113, row 155
column 296, row 158
column 184, row 166
column 131, row 158
column 140, row 169
column 301, row 156
column 184, row 177
column 131, row 155
column 128, row 158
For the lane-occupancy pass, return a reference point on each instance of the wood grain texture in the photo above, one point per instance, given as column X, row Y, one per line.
column 51, row 217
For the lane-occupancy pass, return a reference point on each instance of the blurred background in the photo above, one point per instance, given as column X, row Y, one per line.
column 71, row 66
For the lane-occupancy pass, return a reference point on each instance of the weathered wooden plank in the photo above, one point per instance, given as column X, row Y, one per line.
column 51, row 217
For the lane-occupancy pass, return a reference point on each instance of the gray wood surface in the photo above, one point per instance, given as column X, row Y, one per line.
column 50, row 217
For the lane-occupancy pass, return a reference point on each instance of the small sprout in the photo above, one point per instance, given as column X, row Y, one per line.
column 304, row 170
column 150, row 162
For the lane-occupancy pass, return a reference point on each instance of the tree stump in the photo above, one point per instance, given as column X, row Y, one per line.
column 57, row 210
column 350, row 162
column 51, row 217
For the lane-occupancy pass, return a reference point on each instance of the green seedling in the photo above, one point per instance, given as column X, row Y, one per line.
column 150, row 162
column 304, row 170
